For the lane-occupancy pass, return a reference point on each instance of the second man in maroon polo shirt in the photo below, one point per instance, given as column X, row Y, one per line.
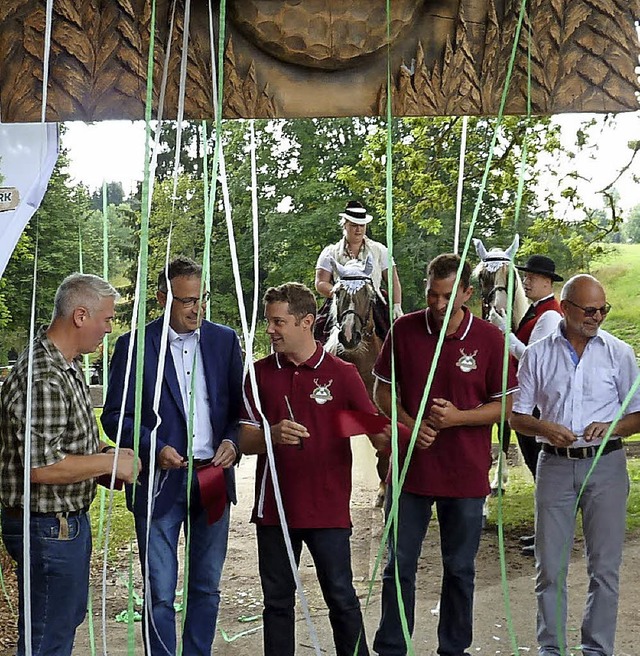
column 300, row 388
column 450, row 464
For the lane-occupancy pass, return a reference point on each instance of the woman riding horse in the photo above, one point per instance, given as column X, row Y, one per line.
column 355, row 245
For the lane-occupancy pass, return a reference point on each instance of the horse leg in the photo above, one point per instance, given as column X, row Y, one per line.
column 501, row 476
column 382, row 467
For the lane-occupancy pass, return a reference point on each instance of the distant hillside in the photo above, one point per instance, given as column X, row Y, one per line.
column 620, row 275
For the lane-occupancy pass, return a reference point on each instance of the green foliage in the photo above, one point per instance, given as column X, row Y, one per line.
column 425, row 173
column 307, row 170
column 631, row 226
column 115, row 196
column 64, row 220
column 619, row 272
column 571, row 244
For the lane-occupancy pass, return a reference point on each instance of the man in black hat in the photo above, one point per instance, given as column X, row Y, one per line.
column 540, row 320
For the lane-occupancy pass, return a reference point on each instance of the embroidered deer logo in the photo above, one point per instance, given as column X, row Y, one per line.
column 467, row 362
column 321, row 393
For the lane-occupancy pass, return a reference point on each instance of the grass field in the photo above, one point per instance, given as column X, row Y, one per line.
column 619, row 272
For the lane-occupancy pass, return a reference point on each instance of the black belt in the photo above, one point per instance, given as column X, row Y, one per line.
column 201, row 462
column 582, row 452
column 16, row 513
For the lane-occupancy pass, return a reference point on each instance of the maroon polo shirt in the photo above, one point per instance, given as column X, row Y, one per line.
column 469, row 374
column 315, row 481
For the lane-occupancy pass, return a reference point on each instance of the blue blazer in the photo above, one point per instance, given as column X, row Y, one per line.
column 222, row 362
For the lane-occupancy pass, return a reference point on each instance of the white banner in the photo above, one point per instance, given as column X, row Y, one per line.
column 28, row 153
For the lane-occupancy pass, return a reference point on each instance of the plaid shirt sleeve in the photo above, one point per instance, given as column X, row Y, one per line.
column 50, row 417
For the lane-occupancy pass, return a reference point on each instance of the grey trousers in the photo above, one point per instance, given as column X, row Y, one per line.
column 603, row 506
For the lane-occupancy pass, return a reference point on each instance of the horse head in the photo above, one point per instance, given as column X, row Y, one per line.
column 493, row 275
column 353, row 298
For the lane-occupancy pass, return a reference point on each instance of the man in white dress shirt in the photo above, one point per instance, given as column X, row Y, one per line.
column 203, row 361
column 578, row 376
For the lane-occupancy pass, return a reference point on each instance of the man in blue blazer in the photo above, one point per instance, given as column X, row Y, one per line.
column 202, row 361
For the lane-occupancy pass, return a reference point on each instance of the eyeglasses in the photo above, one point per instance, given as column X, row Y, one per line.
column 591, row 311
column 190, row 301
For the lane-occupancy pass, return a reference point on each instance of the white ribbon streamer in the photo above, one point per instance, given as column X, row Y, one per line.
column 463, row 150
column 46, row 58
column 26, row 482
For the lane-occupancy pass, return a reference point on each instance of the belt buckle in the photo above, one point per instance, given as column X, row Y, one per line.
column 579, row 453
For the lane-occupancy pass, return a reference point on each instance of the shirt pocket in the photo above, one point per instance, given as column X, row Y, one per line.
column 600, row 386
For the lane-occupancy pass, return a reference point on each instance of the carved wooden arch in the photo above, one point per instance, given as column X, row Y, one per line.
column 298, row 58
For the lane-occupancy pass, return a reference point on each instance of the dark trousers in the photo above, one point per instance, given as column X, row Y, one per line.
column 530, row 448
column 331, row 553
column 460, row 528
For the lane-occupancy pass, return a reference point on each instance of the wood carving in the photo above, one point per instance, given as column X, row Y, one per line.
column 294, row 58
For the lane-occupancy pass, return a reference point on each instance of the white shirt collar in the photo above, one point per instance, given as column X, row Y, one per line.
column 559, row 333
column 542, row 300
column 173, row 335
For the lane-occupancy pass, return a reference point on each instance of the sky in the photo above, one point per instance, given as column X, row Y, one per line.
column 114, row 151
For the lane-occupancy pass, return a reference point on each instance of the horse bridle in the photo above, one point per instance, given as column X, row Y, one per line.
column 488, row 297
column 363, row 321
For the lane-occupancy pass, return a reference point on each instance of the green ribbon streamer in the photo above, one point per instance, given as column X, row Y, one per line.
column 142, row 308
column 505, row 361
column 398, row 481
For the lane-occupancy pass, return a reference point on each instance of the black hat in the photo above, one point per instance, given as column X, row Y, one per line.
column 543, row 265
column 356, row 213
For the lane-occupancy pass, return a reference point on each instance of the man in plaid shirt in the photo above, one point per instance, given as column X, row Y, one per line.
column 66, row 456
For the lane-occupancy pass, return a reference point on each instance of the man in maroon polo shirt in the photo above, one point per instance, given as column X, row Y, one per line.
column 300, row 388
column 451, row 462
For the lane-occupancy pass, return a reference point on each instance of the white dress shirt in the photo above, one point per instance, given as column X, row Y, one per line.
column 545, row 325
column 575, row 395
column 187, row 359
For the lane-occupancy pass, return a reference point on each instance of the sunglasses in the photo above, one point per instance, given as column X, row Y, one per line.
column 591, row 311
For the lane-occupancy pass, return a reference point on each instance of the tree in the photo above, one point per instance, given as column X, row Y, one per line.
column 64, row 215
column 425, row 171
column 115, row 195
column 631, row 226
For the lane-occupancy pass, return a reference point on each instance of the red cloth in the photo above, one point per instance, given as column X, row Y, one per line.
column 213, row 491
column 355, row 422
column 469, row 374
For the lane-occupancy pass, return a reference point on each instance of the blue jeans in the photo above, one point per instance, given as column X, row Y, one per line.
column 59, row 579
column 460, row 528
column 208, row 549
column 331, row 553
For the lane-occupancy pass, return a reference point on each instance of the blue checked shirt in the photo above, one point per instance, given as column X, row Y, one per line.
column 62, row 423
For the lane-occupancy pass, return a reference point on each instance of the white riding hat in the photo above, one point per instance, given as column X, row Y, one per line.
column 356, row 213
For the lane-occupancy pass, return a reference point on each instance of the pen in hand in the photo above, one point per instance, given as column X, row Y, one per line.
column 292, row 418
